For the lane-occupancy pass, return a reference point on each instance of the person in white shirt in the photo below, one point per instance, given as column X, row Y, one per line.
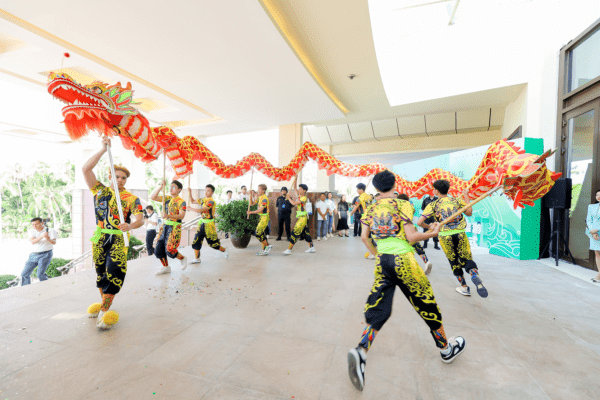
column 229, row 198
column 244, row 195
column 151, row 224
column 43, row 240
column 322, row 213
column 330, row 211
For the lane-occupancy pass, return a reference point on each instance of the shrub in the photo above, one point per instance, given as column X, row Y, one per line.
column 131, row 253
column 51, row 271
column 4, row 279
column 232, row 218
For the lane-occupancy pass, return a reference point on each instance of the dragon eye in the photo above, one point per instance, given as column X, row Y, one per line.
column 97, row 90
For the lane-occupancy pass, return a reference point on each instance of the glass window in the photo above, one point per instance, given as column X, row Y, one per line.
column 579, row 169
column 583, row 62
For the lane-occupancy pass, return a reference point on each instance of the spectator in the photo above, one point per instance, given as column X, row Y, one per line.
column 284, row 214
column 151, row 225
column 430, row 220
column 243, row 195
column 330, row 213
column 229, row 198
column 322, row 212
column 342, row 225
column 43, row 240
column 593, row 225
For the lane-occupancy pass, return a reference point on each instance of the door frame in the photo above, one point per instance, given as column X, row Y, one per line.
column 571, row 104
column 593, row 105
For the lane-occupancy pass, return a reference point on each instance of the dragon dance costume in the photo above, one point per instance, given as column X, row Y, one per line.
column 301, row 229
column 395, row 265
column 109, row 251
column 171, row 234
column 207, row 228
column 454, row 240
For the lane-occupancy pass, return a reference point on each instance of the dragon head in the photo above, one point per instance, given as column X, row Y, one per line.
column 97, row 106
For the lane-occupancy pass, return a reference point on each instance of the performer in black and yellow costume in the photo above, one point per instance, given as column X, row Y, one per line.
column 390, row 222
column 206, row 225
column 170, row 237
column 301, row 229
column 110, row 253
column 417, row 245
column 263, row 222
column 452, row 236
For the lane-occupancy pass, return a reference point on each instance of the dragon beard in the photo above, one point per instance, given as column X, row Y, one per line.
column 82, row 121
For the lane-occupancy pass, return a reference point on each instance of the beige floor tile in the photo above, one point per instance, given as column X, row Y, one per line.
column 282, row 366
column 19, row 350
column 223, row 391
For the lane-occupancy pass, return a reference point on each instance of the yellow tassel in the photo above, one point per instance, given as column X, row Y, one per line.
column 94, row 308
column 110, row 318
column 367, row 254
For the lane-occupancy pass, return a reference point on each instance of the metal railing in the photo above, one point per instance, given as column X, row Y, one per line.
column 140, row 250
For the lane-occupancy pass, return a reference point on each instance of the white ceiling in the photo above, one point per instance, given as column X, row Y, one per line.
column 223, row 57
column 491, row 43
column 461, row 121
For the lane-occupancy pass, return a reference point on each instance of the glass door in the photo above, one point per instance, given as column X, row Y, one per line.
column 580, row 128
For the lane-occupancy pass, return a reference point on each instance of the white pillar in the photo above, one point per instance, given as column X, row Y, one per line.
column 290, row 141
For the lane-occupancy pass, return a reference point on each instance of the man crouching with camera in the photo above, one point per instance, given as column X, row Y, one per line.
column 43, row 240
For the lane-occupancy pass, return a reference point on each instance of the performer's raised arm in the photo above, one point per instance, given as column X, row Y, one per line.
column 88, row 167
column 154, row 195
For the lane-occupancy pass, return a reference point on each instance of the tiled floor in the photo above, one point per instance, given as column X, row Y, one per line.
column 279, row 327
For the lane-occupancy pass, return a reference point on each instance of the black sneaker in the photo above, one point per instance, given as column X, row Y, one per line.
column 278, row 238
column 436, row 247
column 356, row 369
column 457, row 346
column 481, row 290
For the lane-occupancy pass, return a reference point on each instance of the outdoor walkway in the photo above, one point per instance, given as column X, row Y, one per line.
column 279, row 327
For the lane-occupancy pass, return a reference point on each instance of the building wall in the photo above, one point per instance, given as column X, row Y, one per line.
column 515, row 115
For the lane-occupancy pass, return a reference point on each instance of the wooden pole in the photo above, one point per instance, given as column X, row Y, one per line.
column 251, row 178
column 471, row 204
column 116, row 189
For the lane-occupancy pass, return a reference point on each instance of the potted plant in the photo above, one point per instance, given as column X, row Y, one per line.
column 232, row 218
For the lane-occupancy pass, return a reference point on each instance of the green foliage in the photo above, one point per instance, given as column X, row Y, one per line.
column 576, row 192
column 51, row 271
column 4, row 279
column 232, row 218
column 40, row 191
column 131, row 253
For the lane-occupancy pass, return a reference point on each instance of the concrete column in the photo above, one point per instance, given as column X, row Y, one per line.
column 325, row 183
column 290, row 141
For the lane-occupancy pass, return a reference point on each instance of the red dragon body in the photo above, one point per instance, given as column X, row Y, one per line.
column 108, row 110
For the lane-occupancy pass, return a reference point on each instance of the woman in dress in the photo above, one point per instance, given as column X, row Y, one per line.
column 342, row 225
column 593, row 225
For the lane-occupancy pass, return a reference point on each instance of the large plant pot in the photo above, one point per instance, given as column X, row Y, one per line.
column 241, row 242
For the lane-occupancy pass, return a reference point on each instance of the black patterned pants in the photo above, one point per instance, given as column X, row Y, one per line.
column 402, row 270
column 110, row 260
column 458, row 252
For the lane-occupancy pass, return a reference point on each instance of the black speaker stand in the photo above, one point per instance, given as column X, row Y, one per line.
column 556, row 237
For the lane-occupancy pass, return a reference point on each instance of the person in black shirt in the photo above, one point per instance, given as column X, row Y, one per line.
column 426, row 201
column 284, row 213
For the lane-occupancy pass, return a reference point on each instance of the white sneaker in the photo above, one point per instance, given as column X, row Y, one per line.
column 287, row 252
column 183, row 262
column 196, row 261
column 164, row 270
column 99, row 323
column 356, row 368
column 325, row 237
column 428, row 267
column 226, row 253
column 261, row 253
column 318, row 239
column 268, row 249
column 310, row 250
column 371, row 257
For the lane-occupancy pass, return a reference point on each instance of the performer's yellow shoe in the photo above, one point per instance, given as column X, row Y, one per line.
column 94, row 309
column 107, row 319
